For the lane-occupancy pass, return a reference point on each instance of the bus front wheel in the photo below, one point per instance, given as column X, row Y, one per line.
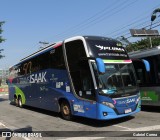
column 20, row 101
column 65, row 110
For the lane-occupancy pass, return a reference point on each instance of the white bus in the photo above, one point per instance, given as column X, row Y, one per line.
column 149, row 80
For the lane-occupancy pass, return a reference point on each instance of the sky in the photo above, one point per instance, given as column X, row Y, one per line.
column 28, row 22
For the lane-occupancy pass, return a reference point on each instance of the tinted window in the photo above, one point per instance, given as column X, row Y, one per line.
column 57, row 58
column 148, row 78
column 79, row 70
column 75, row 51
column 51, row 59
column 141, row 73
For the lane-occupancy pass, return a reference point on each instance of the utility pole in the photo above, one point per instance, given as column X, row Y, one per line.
column 153, row 17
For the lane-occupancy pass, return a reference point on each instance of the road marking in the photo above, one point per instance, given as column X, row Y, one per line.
column 26, row 138
column 1, row 124
column 122, row 127
column 147, row 128
column 82, row 138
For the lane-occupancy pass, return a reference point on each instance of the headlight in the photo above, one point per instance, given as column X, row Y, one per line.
column 108, row 104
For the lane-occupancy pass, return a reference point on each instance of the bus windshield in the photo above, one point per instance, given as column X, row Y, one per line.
column 118, row 79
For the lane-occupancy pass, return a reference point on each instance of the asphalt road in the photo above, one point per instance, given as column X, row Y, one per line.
column 50, row 124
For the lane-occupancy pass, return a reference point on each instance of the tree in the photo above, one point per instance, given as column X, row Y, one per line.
column 143, row 44
column 1, row 39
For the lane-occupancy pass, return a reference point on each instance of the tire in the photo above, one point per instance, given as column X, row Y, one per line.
column 20, row 102
column 66, row 110
column 16, row 101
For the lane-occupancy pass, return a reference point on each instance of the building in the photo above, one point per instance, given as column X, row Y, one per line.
column 4, row 73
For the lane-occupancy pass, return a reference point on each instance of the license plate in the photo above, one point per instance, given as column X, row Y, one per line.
column 128, row 110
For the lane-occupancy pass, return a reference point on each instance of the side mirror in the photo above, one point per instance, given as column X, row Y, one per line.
column 100, row 65
column 147, row 65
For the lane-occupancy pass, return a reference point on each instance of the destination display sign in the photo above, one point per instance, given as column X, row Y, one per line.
column 106, row 49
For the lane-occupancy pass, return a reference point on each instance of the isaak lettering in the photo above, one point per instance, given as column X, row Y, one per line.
column 37, row 78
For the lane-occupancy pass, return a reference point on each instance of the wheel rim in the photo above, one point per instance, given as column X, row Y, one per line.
column 20, row 102
column 66, row 110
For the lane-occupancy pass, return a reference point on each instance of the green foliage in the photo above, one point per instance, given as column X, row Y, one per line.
column 1, row 39
column 143, row 44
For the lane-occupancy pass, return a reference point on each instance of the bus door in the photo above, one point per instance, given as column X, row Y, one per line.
column 88, row 90
column 81, row 79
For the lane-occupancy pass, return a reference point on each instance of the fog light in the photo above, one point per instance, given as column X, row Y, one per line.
column 105, row 113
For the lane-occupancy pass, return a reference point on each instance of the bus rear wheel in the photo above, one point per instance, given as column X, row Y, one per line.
column 65, row 110
column 20, row 102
